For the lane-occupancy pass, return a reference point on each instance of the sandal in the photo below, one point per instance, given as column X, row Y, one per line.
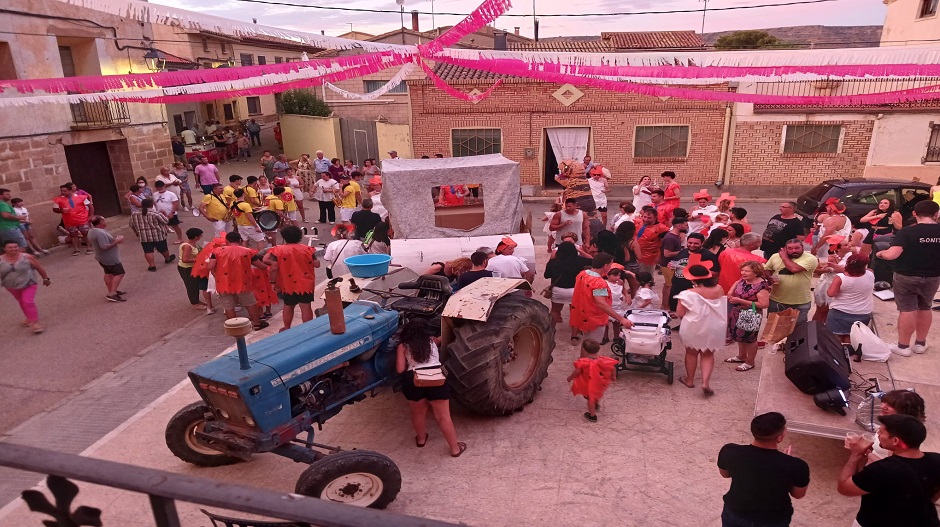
column 734, row 360
column 744, row 367
column 76, row 253
column 420, row 444
column 260, row 325
column 708, row 392
column 575, row 339
column 462, row 447
column 687, row 385
column 590, row 418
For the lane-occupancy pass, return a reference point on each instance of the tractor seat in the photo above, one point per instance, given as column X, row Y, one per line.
column 434, row 287
column 417, row 305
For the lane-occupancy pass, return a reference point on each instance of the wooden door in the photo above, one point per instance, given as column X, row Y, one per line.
column 90, row 167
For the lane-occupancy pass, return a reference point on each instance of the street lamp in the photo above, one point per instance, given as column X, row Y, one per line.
column 156, row 60
column 401, row 4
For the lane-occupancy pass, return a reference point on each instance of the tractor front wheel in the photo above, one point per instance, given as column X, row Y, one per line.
column 497, row 366
column 181, row 438
column 355, row 477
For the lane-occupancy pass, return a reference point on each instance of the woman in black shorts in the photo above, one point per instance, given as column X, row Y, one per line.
column 417, row 350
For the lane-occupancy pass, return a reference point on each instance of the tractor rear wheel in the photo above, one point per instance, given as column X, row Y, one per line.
column 496, row 366
column 181, row 438
column 355, row 477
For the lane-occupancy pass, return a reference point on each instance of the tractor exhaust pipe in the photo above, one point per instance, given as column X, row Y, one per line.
column 334, row 307
column 239, row 327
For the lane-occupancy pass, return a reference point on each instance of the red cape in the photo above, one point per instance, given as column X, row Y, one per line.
column 594, row 376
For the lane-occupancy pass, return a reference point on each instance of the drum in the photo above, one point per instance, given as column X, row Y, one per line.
column 268, row 220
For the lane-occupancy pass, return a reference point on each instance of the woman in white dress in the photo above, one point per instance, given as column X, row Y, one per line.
column 296, row 189
column 641, row 193
column 704, row 313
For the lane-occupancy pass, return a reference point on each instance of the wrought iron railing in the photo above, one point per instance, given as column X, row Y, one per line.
column 933, row 145
column 164, row 488
column 99, row 114
column 838, row 87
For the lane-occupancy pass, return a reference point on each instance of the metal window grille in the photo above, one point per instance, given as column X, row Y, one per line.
column 812, row 139
column 933, row 145
column 262, row 60
column 254, row 105
column 475, row 142
column 247, row 60
column 928, row 8
column 278, row 60
column 661, row 141
column 370, row 86
column 99, row 114
column 205, row 44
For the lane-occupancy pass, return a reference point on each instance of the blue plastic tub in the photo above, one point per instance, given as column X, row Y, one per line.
column 368, row 265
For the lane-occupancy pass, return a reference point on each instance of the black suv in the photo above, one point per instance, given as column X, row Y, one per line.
column 861, row 196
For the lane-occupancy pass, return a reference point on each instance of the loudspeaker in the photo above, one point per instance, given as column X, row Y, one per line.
column 815, row 359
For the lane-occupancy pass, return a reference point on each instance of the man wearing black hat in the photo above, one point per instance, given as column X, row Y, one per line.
column 900, row 489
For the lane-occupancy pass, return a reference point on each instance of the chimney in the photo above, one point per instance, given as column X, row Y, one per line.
column 414, row 21
column 499, row 40
column 515, row 30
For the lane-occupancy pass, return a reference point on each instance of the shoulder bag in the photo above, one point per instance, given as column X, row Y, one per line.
column 429, row 377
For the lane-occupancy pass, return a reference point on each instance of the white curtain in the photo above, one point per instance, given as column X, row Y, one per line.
column 569, row 143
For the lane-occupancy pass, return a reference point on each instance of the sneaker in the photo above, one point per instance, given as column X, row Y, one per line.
column 919, row 348
column 590, row 418
column 115, row 298
column 904, row 352
column 210, row 311
column 170, row 259
column 152, row 269
column 332, row 223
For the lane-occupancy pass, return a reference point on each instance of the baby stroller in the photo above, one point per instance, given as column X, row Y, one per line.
column 643, row 347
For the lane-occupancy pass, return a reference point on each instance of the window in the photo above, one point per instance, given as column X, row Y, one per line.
column 7, row 69
column 475, row 142
column 254, row 105
column 371, row 86
column 872, row 196
column 247, row 60
column 927, row 8
column 811, row 138
column 278, row 60
column 661, row 141
column 229, row 112
column 933, row 145
column 205, row 44
column 458, row 206
column 222, row 47
column 68, row 62
column 210, row 111
column 262, row 60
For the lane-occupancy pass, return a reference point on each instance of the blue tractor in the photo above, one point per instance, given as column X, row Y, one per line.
column 269, row 397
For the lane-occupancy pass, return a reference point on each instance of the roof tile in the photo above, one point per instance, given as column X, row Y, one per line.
column 655, row 40
column 563, row 46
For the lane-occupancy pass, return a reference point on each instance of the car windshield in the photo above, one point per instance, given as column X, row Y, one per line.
column 819, row 191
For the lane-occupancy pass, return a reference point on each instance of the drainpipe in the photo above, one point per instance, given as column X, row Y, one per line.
column 725, row 135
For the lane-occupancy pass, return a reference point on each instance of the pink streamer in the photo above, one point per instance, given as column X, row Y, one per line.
column 89, row 84
column 454, row 92
column 487, row 12
column 495, row 66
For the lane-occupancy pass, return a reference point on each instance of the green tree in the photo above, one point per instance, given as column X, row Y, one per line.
column 749, row 39
column 303, row 102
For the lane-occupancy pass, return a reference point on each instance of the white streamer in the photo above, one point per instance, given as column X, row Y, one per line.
column 373, row 95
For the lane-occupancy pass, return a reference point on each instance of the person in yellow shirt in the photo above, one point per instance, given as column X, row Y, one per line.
column 347, row 193
column 252, row 197
column 245, row 222
column 228, row 193
column 286, row 197
column 215, row 209
column 354, row 180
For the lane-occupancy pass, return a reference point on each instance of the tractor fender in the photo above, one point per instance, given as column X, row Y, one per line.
column 476, row 301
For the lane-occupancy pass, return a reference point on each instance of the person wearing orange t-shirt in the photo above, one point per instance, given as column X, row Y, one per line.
column 74, row 208
column 649, row 241
column 231, row 265
column 292, row 267
column 591, row 300
column 730, row 260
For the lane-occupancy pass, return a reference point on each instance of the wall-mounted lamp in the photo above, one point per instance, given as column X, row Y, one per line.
column 156, row 60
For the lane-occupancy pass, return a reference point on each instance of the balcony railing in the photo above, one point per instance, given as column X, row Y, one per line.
column 165, row 487
column 99, row 114
column 837, row 87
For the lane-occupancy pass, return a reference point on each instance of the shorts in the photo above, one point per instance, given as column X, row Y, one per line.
column 840, row 322
column 115, row 270
column 561, row 295
column 150, row 247
column 668, row 274
column 346, row 214
column 914, row 293
column 83, row 229
column 24, row 227
column 293, row 215
column 175, row 220
column 14, row 235
column 292, row 299
column 228, row 300
column 431, row 393
column 596, row 334
column 249, row 233
column 802, row 308
column 219, row 227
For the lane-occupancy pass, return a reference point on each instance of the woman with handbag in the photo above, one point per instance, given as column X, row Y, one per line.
column 424, row 384
column 747, row 298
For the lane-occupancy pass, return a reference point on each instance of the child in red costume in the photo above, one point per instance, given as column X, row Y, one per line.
column 591, row 376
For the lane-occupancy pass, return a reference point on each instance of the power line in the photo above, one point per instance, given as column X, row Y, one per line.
column 558, row 15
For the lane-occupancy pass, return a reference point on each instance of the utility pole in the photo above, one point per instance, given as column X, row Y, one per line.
column 705, row 10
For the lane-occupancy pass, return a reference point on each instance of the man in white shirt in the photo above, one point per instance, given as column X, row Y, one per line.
column 189, row 136
column 168, row 203
column 170, row 180
column 505, row 265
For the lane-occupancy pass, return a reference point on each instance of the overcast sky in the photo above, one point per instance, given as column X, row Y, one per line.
column 837, row 12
